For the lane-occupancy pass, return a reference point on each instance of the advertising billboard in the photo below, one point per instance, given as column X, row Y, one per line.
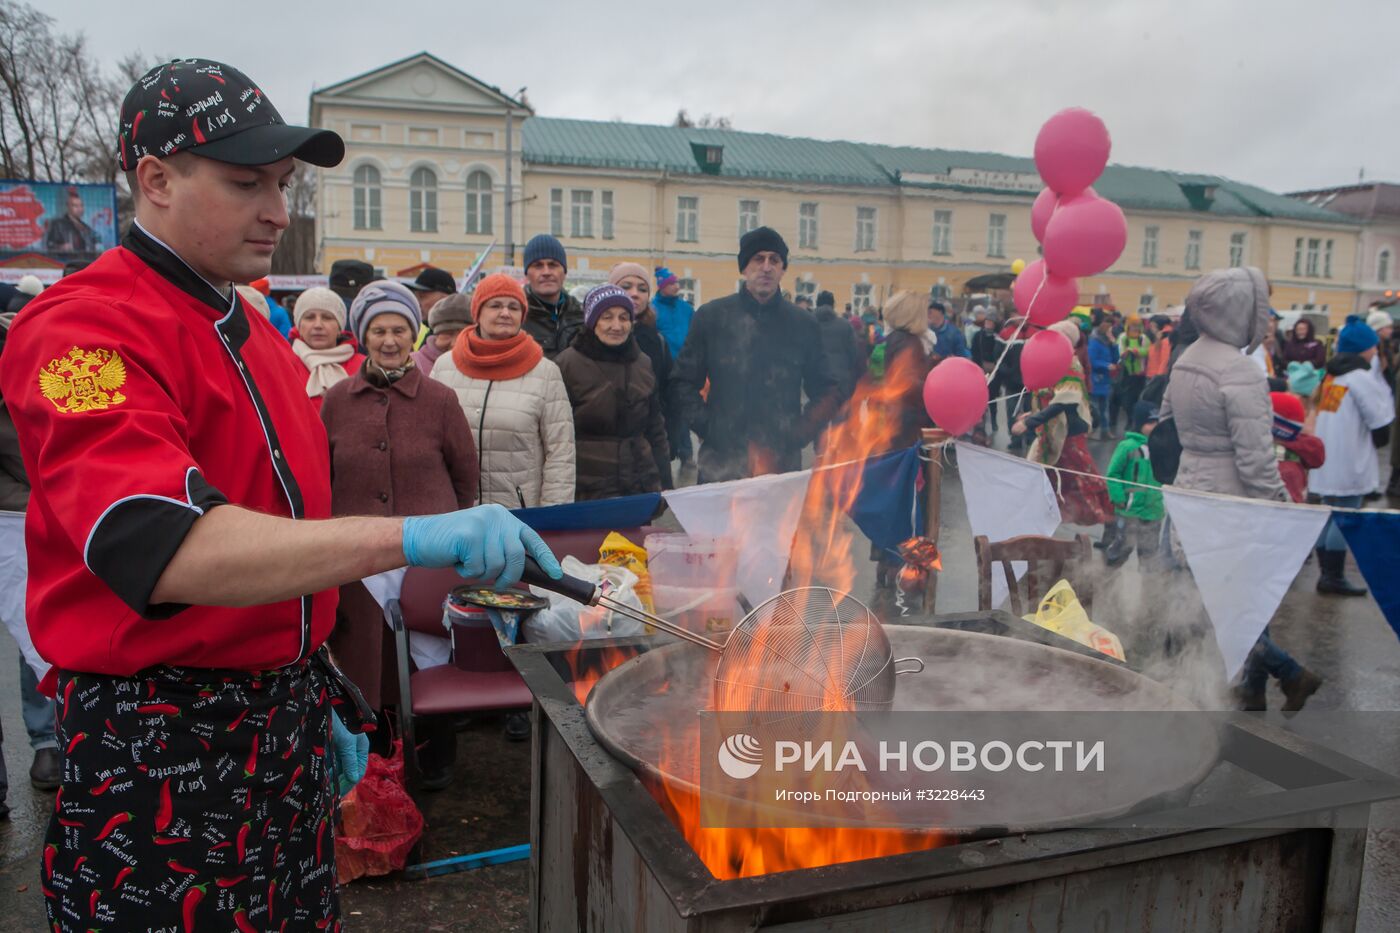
column 57, row 219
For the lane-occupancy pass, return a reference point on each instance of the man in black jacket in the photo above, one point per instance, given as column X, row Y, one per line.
column 553, row 317
column 760, row 355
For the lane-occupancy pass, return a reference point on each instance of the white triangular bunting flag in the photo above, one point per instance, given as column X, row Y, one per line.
column 1006, row 497
column 759, row 514
column 1243, row 555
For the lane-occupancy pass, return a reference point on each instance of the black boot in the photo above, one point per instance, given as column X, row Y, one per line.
column 1392, row 488
column 1333, row 579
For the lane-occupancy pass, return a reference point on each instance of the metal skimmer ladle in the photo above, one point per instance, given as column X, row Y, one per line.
column 806, row 650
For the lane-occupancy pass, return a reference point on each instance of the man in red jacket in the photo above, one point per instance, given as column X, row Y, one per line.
column 181, row 576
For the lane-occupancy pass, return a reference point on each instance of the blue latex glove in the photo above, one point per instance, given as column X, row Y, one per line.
column 482, row 543
column 351, row 754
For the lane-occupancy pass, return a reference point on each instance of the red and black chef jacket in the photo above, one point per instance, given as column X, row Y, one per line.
column 144, row 397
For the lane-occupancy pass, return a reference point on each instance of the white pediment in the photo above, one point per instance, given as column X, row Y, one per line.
column 419, row 80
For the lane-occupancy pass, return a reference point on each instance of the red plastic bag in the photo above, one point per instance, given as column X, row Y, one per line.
column 379, row 822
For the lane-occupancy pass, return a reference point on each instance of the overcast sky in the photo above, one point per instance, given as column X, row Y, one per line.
column 1286, row 94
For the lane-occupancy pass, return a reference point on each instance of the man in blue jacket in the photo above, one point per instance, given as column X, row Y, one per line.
column 948, row 339
column 673, row 314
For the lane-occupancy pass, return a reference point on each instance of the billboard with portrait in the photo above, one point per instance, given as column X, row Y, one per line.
column 57, row 219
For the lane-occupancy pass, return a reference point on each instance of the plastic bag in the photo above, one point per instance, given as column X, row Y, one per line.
column 619, row 551
column 567, row 621
column 379, row 822
column 1061, row 612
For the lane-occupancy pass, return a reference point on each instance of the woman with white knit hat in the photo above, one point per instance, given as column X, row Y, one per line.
column 1061, row 418
column 318, row 320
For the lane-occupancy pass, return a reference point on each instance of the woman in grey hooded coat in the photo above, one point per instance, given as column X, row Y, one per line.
column 1224, row 419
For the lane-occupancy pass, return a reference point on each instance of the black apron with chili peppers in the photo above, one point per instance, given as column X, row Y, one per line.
column 196, row 799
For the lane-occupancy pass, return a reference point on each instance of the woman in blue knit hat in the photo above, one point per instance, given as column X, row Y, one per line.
column 619, row 430
column 1354, row 412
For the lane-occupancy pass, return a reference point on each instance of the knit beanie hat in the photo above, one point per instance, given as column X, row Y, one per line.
column 1356, row 336
column 601, row 299
column 319, row 298
column 384, row 296
column 1378, row 319
column 1068, row 328
column 1288, row 415
column 497, row 285
column 664, row 277
column 623, row 269
column 254, row 298
column 454, row 311
column 544, row 246
column 1303, row 378
column 758, row 240
column 905, row 311
column 1144, row 413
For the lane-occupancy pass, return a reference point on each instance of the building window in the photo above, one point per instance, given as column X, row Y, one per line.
column 865, row 229
column 806, row 288
column 807, row 225
column 860, row 297
column 1193, row 249
column 1145, row 305
column 940, row 292
column 1327, row 260
column 580, row 213
column 1383, row 266
column 1149, row 248
column 556, row 211
column 607, row 214
column 1310, row 262
column 1298, row 256
column 689, row 291
column 943, row 233
column 687, row 219
column 748, row 216
column 367, row 194
column 478, row 202
column 422, row 201
column 996, row 235
column 1237, row 242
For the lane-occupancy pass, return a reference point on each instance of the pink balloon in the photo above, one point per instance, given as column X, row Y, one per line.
column 1042, row 296
column 1071, row 150
column 955, row 394
column 1045, row 359
column 1041, row 210
column 1085, row 237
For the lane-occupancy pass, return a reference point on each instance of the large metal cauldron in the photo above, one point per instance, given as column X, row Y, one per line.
column 644, row 712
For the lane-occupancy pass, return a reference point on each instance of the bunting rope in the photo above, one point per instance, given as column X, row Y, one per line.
column 1177, row 489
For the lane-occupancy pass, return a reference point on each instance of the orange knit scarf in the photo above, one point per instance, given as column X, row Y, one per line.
column 496, row 360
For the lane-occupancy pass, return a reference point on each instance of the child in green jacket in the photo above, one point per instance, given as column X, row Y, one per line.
column 1139, row 510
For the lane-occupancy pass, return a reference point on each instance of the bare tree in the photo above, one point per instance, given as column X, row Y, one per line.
column 58, row 108
column 708, row 122
column 296, row 254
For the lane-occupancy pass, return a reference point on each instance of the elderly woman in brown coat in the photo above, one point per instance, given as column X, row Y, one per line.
column 400, row 445
column 619, row 431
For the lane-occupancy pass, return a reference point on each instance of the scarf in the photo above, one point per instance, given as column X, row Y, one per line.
column 327, row 366
column 382, row 378
column 496, row 360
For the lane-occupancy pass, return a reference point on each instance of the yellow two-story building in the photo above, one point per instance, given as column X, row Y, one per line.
column 440, row 165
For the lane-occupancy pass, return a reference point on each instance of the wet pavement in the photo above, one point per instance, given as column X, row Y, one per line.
column 1345, row 640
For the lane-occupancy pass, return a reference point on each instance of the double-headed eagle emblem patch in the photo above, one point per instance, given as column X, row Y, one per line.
column 84, row 380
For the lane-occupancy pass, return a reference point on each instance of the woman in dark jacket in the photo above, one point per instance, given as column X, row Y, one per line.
column 400, row 445
column 620, row 434
column 1303, row 346
column 907, row 364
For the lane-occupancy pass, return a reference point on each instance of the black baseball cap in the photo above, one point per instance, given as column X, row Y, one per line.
column 213, row 110
column 433, row 279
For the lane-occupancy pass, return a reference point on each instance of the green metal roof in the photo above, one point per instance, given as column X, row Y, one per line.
column 552, row 141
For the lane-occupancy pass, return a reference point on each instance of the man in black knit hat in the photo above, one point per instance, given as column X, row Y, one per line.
column 760, row 354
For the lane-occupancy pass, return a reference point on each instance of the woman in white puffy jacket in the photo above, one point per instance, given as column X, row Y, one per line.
column 514, row 399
